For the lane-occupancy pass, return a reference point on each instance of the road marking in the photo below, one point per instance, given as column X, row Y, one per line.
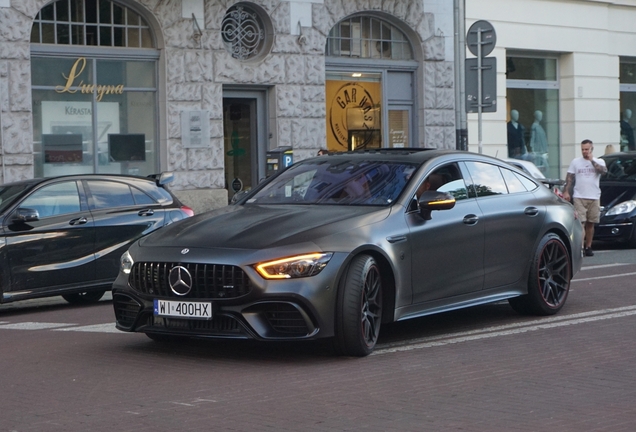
column 96, row 328
column 34, row 326
column 604, row 277
column 506, row 330
column 605, row 266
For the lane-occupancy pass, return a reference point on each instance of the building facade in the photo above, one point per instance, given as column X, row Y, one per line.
column 206, row 89
column 566, row 71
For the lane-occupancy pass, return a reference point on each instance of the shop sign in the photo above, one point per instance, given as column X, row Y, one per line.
column 352, row 106
column 72, row 87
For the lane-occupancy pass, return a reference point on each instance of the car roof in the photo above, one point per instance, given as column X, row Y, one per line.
column 626, row 154
column 408, row 154
column 38, row 180
column 527, row 166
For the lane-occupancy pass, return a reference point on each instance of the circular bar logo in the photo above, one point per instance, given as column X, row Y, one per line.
column 352, row 108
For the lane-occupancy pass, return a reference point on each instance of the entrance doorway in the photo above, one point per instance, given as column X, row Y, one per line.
column 244, row 138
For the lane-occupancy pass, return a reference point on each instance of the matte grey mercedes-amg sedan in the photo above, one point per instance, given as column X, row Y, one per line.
column 336, row 245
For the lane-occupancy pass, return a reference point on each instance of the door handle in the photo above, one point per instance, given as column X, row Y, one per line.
column 531, row 211
column 146, row 212
column 395, row 239
column 471, row 219
column 78, row 221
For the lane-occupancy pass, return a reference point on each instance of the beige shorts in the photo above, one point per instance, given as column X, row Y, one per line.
column 589, row 210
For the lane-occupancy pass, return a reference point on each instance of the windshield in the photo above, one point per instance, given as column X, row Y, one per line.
column 8, row 193
column 332, row 180
column 621, row 167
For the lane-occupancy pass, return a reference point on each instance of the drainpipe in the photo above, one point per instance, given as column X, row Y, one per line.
column 461, row 128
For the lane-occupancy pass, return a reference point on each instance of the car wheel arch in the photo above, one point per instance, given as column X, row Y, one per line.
column 562, row 234
column 387, row 273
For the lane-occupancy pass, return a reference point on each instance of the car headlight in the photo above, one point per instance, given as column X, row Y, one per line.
column 126, row 262
column 624, row 207
column 294, row 267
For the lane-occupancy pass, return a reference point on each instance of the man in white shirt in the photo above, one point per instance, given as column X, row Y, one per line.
column 582, row 185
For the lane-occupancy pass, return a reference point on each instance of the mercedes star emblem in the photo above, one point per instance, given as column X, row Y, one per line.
column 180, row 280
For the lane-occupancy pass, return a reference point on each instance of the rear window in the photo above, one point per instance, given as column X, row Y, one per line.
column 9, row 193
column 622, row 168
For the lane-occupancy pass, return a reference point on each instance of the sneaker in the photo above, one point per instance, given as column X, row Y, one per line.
column 589, row 252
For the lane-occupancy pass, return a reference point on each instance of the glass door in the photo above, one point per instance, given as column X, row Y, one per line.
column 244, row 139
column 399, row 126
column 239, row 138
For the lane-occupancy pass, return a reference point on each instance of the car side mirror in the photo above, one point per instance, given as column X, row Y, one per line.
column 238, row 196
column 24, row 215
column 434, row 200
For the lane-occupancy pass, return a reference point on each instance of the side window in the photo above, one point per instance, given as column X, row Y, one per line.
column 514, row 184
column 55, row 199
column 108, row 194
column 446, row 178
column 529, row 184
column 487, row 179
column 142, row 198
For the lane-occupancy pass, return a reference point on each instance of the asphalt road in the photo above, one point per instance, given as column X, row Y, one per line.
column 65, row 368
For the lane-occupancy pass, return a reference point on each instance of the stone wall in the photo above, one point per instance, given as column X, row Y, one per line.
column 196, row 70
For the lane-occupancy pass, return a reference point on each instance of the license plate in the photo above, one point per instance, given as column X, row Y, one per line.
column 183, row 309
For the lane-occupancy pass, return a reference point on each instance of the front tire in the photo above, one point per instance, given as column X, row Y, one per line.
column 359, row 308
column 84, row 297
column 549, row 279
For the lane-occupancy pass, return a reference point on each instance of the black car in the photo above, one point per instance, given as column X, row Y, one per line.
column 618, row 199
column 336, row 245
column 65, row 235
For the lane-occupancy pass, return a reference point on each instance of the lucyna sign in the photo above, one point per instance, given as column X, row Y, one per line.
column 72, row 87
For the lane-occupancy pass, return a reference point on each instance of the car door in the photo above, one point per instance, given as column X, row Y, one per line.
column 122, row 213
column 512, row 218
column 53, row 248
column 447, row 250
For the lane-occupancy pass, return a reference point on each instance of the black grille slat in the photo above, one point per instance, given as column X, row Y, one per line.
column 218, row 325
column 126, row 310
column 210, row 281
column 286, row 319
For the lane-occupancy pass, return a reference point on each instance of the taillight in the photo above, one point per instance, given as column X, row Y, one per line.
column 187, row 210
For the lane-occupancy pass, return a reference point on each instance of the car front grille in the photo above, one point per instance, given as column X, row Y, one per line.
column 209, row 281
column 218, row 326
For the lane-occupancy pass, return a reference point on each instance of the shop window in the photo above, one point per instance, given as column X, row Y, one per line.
column 368, row 37
column 532, row 92
column 627, row 115
column 371, row 105
column 92, row 114
column 354, row 103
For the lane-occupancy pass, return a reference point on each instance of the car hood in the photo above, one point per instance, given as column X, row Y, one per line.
column 259, row 227
column 615, row 192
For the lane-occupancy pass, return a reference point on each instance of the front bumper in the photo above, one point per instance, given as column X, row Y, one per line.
column 617, row 229
column 290, row 309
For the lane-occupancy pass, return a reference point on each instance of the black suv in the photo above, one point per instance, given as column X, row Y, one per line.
column 618, row 199
column 65, row 235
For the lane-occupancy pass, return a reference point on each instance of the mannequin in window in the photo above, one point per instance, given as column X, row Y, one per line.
column 516, row 144
column 539, row 142
column 538, row 138
column 627, row 132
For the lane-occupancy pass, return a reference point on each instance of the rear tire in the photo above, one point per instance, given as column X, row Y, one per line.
column 548, row 281
column 359, row 308
column 85, row 297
